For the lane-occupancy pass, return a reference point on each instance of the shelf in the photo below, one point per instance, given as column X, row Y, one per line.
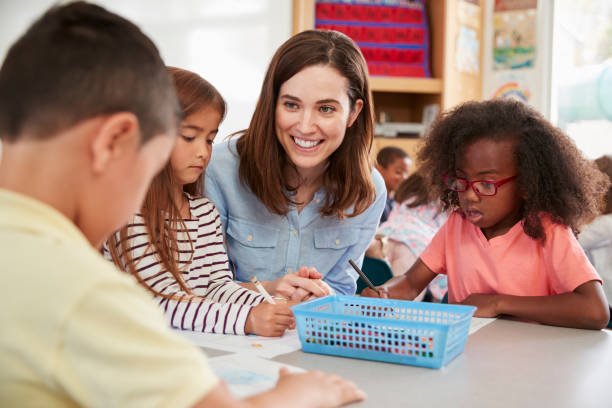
column 406, row 85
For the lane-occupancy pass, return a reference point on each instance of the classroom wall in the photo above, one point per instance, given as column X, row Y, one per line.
column 228, row 42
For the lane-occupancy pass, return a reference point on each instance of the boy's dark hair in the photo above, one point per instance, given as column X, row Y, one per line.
column 388, row 155
column 604, row 163
column 552, row 173
column 79, row 61
column 415, row 188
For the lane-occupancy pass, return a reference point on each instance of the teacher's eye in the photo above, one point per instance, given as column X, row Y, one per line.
column 327, row 109
column 291, row 105
column 188, row 138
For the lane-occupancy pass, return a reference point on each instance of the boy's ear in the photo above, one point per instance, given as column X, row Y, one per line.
column 118, row 133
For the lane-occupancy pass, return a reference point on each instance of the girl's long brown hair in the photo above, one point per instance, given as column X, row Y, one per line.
column 161, row 216
column 347, row 179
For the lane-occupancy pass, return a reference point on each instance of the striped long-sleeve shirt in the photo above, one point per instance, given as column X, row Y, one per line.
column 220, row 305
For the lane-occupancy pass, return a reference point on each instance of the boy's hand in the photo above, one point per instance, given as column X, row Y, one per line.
column 317, row 389
column 382, row 292
column 270, row 320
column 487, row 304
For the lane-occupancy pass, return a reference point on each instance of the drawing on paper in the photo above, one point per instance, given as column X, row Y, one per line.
column 514, row 39
column 512, row 90
column 244, row 377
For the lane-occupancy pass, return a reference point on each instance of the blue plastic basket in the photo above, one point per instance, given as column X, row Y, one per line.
column 395, row 331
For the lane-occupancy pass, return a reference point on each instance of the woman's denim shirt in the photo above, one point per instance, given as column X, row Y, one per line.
column 269, row 246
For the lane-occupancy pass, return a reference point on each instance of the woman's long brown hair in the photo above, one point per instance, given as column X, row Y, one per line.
column 161, row 216
column 347, row 180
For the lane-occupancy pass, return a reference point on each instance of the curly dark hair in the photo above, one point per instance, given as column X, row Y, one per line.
column 552, row 173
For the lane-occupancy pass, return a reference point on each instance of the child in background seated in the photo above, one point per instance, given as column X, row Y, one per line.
column 518, row 188
column 394, row 165
column 596, row 237
column 88, row 116
column 412, row 224
column 174, row 246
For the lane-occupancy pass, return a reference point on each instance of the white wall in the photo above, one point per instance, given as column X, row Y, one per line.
column 228, row 42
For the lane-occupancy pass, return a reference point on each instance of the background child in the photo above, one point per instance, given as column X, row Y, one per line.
column 88, row 115
column 394, row 165
column 596, row 237
column 412, row 224
column 174, row 247
column 518, row 187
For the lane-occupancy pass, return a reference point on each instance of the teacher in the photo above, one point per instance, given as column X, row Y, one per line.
column 296, row 191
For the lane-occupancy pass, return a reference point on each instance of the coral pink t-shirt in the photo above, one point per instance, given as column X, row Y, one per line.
column 511, row 264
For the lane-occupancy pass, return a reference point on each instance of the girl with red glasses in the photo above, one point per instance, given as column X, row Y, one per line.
column 517, row 190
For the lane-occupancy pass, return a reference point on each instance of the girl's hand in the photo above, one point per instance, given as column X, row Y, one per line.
column 329, row 390
column 382, row 293
column 487, row 304
column 270, row 320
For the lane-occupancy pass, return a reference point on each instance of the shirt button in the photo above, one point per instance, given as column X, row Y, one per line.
column 318, row 200
column 337, row 241
column 249, row 238
column 294, row 232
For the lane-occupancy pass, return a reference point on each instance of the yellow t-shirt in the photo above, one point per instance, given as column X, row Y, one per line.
column 76, row 331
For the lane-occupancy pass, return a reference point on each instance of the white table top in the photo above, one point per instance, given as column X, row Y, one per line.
column 505, row 364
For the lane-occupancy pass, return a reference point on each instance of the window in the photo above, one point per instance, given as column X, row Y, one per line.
column 582, row 73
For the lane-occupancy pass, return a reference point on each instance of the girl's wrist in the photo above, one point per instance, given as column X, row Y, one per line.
column 500, row 304
column 270, row 286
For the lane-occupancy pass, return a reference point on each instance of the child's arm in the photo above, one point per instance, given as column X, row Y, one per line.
column 295, row 390
column 195, row 313
column 406, row 286
column 584, row 308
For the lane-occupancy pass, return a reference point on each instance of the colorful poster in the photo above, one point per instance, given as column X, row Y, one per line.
column 467, row 51
column 514, row 39
column 516, row 85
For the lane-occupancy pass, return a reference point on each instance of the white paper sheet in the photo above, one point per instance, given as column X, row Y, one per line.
column 266, row 347
column 479, row 322
column 246, row 374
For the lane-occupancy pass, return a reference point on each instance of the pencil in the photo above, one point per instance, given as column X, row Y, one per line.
column 262, row 290
column 365, row 278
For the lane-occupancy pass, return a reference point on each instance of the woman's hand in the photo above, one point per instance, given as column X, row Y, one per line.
column 301, row 285
column 302, row 294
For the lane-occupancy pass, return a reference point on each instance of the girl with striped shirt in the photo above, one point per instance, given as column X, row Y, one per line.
column 174, row 247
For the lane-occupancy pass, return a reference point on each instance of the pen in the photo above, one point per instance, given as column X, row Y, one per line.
column 365, row 278
column 262, row 290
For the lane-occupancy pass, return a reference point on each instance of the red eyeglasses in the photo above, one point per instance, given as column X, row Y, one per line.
column 485, row 188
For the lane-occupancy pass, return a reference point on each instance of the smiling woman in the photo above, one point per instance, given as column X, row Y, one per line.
column 296, row 191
